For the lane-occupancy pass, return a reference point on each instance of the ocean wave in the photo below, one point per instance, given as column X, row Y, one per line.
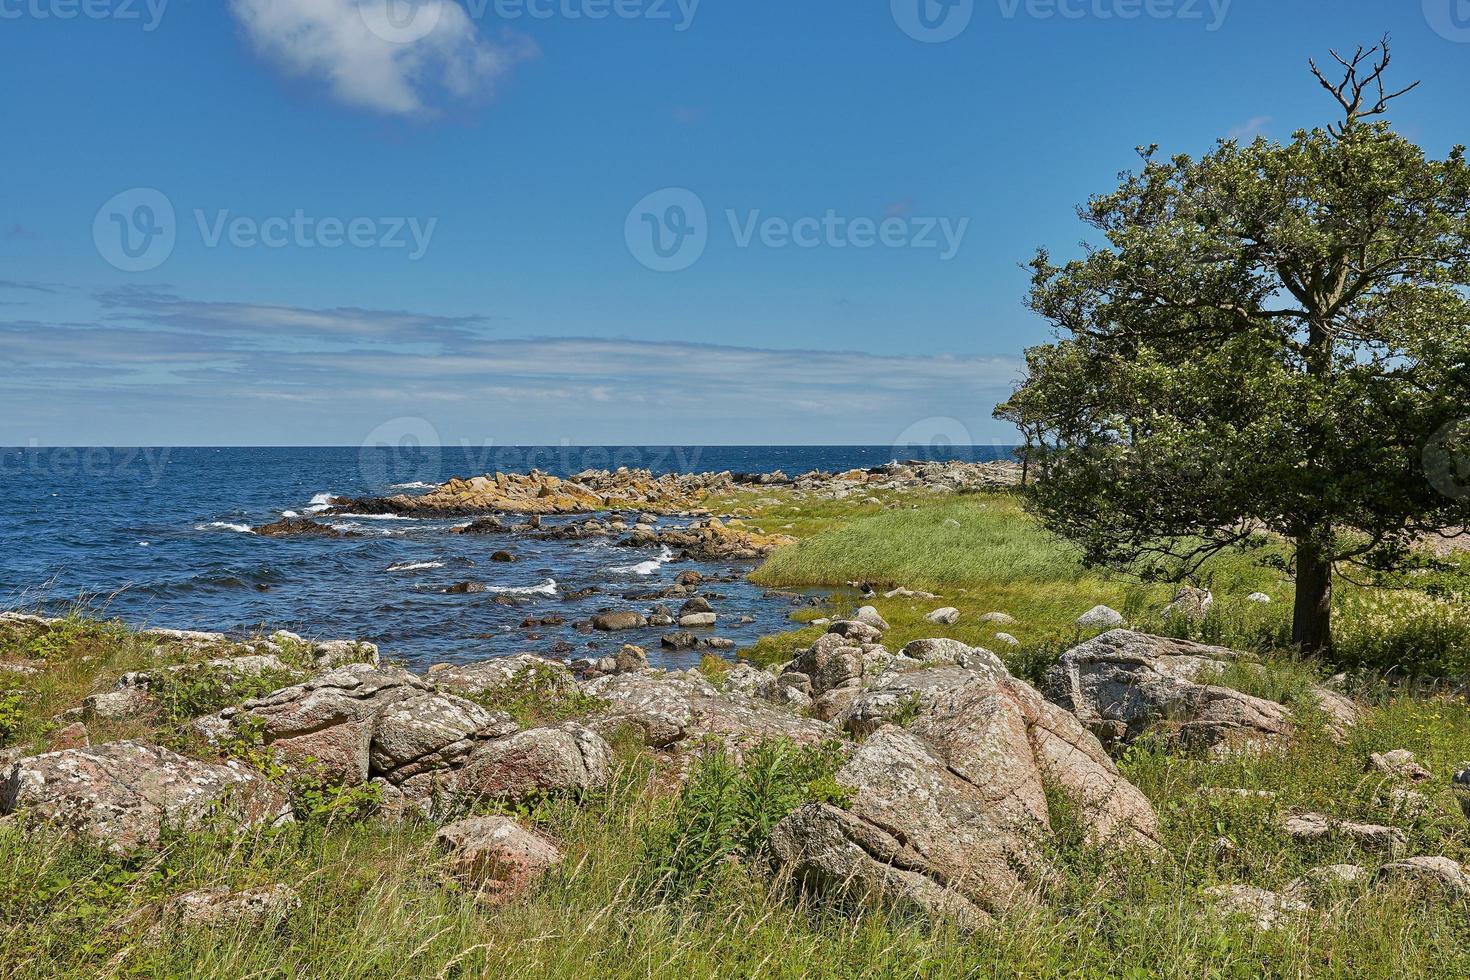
column 649, row 567
column 414, row 566
column 289, row 514
column 320, row 503
column 224, row 526
column 549, row 587
column 380, row 517
column 412, row 486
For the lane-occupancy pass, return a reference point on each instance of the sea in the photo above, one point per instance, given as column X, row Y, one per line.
column 161, row 538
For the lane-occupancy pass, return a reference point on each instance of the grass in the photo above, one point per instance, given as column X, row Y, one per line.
column 375, row 906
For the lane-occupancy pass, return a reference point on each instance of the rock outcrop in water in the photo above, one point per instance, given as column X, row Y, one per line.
column 593, row 491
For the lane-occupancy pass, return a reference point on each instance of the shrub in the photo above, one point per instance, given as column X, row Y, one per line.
column 1405, row 632
column 12, row 714
column 539, row 695
column 200, row 689
column 727, row 810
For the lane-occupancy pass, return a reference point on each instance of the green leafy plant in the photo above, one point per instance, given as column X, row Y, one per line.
column 539, row 695
column 726, row 811
column 12, row 715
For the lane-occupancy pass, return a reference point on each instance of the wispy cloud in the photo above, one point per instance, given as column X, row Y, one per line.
column 20, row 233
column 30, row 287
column 387, row 56
column 356, row 367
column 1247, row 131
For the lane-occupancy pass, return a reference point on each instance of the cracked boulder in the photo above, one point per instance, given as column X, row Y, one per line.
column 1125, row 684
column 569, row 758
column 125, row 793
column 947, row 811
column 327, row 724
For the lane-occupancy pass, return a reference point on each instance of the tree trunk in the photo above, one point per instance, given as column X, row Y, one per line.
column 1311, row 624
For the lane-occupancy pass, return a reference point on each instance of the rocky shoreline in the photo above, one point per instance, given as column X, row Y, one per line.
column 598, row 491
column 952, row 765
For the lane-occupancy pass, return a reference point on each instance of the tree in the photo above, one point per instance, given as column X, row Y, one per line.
column 1268, row 343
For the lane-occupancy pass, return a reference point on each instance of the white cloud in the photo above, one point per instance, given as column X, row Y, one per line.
column 390, row 56
column 1248, row 131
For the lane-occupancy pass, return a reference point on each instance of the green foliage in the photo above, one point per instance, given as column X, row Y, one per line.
column 1404, row 633
column 195, row 690
column 539, row 695
column 1271, row 339
column 726, row 811
column 12, row 715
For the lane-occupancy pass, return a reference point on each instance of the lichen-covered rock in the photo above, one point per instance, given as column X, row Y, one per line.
column 430, row 732
column 569, row 758
column 948, row 811
column 124, row 793
column 1123, row 684
column 1433, row 874
column 1400, row 763
column 1100, row 617
column 1309, row 827
column 491, row 676
column 220, row 908
column 667, row 710
column 1262, row 909
column 496, row 856
column 327, row 724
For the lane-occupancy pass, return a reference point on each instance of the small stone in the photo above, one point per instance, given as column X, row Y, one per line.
column 999, row 618
column 73, row 736
column 1008, row 639
column 698, row 621
column 1264, row 910
column 1100, row 617
column 617, row 621
column 631, row 658
column 1429, row 873
column 869, row 616
column 1400, row 763
column 220, row 908
column 1308, row 827
column 1259, row 597
column 496, row 855
column 944, row 617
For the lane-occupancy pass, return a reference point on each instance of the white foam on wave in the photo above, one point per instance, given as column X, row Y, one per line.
column 649, row 567
column 415, row 566
column 224, row 526
column 320, row 503
column 549, row 587
column 412, row 486
column 289, row 514
column 380, row 517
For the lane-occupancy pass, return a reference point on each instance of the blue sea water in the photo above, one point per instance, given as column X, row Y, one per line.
column 160, row 537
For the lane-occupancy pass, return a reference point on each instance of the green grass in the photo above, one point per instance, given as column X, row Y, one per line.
column 375, row 906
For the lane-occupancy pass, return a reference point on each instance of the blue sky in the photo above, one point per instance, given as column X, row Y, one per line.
column 495, row 162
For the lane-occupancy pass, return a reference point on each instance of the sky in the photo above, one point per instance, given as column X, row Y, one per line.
column 335, row 222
